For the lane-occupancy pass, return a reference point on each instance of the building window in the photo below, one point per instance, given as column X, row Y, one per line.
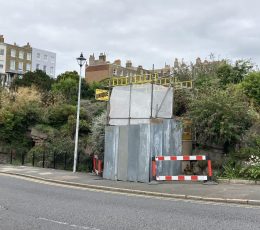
column 21, row 54
column 45, row 57
column 29, row 56
column 114, row 72
column 20, row 67
column 38, row 56
column 1, row 64
column 28, row 67
column 51, row 70
column 12, row 64
column 37, row 66
column 13, row 53
column 44, row 68
column 52, row 59
column 2, row 52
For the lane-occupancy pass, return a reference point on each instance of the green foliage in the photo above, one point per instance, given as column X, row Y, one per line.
column 233, row 74
column 97, row 139
column 37, row 78
column 220, row 116
column 68, row 87
column 58, row 115
column 14, row 122
column 181, row 101
column 251, row 86
column 251, row 148
column 251, row 172
column 67, row 84
column 231, row 170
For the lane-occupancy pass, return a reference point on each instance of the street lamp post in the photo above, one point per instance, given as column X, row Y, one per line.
column 81, row 61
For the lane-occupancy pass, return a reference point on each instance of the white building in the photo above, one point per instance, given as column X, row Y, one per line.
column 2, row 62
column 2, row 58
column 44, row 60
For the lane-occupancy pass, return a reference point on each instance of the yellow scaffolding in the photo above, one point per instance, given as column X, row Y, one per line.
column 149, row 78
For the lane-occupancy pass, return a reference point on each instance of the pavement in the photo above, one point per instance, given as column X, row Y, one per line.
column 225, row 193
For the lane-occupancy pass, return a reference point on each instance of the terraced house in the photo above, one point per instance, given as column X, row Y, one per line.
column 16, row 60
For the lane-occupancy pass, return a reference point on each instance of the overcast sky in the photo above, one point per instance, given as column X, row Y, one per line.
column 145, row 31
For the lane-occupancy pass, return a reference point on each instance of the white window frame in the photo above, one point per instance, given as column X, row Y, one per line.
column 28, row 67
column 13, row 52
column 12, row 64
column 38, row 55
column 51, row 70
column 21, row 54
column 29, row 56
column 19, row 65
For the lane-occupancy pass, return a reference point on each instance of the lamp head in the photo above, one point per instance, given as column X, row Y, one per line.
column 81, row 60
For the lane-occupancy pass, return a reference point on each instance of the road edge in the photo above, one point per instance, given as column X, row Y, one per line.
column 140, row 192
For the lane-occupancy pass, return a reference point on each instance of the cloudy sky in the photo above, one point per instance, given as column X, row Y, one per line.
column 145, row 31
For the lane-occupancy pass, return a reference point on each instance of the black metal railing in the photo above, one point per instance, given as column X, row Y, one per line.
column 51, row 160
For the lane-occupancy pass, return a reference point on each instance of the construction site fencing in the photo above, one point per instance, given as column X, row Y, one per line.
column 129, row 149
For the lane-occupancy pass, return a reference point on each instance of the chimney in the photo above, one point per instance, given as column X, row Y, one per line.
column 91, row 59
column 2, row 40
column 102, row 57
column 128, row 64
column 117, row 62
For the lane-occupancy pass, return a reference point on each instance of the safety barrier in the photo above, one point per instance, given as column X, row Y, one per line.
column 149, row 78
column 181, row 177
column 97, row 165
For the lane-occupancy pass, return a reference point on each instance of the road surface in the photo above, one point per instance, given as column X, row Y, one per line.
column 26, row 204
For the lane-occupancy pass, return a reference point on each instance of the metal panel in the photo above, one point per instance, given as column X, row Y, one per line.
column 156, row 144
column 170, row 140
column 111, row 152
column 123, row 153
column 133, row 152
column 168, row 166
column 144, row 154
column 128, row 150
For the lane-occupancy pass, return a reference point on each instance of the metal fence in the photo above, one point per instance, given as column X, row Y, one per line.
column 129, row 150
column 55, row 161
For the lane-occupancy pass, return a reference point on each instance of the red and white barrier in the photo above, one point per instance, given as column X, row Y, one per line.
column 182, row 178
column 181, row 158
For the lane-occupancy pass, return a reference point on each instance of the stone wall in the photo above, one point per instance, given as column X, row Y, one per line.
column 4, row 158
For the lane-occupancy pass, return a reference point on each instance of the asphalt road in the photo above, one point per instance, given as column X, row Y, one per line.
column 29, row 205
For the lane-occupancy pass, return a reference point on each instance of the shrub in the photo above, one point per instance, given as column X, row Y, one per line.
column 251, row 86
column 220, row 116
column 97, row 139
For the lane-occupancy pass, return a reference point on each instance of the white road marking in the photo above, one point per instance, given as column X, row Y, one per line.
column 34, row 171
column 45, row 173
column 137, row 195
column 65, row 223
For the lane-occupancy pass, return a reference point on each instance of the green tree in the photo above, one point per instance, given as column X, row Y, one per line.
column 97, row 138
column 68, row 87
column 220, row 116
column 67, row 84
column 251, row 86
column 37, row 78
column 233, row 74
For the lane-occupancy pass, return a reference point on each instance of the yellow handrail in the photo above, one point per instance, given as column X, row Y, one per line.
column 149, row 78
